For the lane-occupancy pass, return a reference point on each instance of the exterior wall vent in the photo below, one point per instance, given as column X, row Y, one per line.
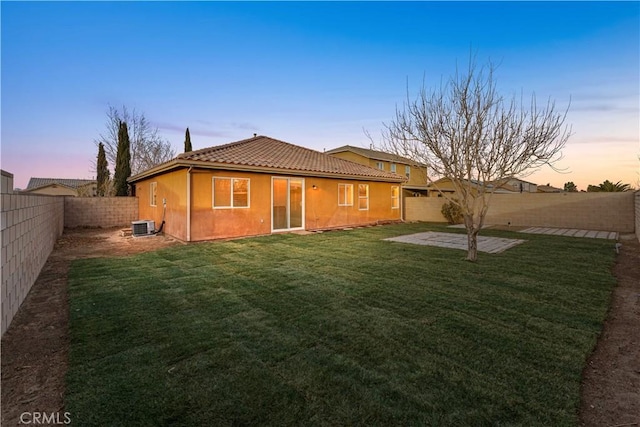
column 142, row 228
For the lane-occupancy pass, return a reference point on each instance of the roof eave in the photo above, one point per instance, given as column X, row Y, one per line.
column 387, row 157
column 181, row 163
column 163, row 167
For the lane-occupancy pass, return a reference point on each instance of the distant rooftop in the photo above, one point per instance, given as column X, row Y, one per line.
column 371, row 154
column 71, row 183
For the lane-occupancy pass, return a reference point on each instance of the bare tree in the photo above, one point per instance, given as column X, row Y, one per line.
column 148, row 148
column 467, row 132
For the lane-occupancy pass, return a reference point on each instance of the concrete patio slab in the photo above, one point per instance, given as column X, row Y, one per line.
column 492, row 245
column 572, row 232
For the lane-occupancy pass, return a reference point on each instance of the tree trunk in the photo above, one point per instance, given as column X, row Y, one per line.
column 472, row 240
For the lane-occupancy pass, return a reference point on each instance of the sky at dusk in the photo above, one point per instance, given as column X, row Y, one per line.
column 313, row 74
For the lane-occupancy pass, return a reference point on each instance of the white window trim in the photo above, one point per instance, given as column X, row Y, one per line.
column 397, row 187
column 380, row 165
column 366, row 198
column 393, row 167
column 213, row 193
column 407, row 171
column 153, row 187
column 340, row 201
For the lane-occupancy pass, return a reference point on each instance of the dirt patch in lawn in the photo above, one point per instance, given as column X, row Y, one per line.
column 35, row 348
column 611, row 378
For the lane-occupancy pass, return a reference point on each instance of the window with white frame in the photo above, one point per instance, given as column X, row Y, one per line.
column 407, row 171
column 380, row 165
column 230, row 193
column 153, row 193
column 363, row 197
column 345, row 194
column 393, row 167
column 395, row 197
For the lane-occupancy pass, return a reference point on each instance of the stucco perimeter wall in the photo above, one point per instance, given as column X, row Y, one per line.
column 591, row 211
column 30, row 227
column 100, row 211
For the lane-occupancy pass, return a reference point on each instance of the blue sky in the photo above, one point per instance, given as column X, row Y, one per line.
column 313, row 74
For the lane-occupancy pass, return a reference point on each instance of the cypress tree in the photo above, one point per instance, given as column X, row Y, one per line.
column 187, row 142
column 123, row 162
column 102, row 176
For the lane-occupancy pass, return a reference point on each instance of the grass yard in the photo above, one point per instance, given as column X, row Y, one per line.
column 339, row 328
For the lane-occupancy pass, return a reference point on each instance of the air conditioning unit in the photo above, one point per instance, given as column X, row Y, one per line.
column 142, row 228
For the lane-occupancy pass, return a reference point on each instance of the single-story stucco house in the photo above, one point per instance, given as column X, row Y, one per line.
column 260, row 186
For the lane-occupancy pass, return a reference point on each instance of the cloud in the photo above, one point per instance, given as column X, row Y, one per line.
column 596, row 95
column 198, row 130
column 604, row 108
column 169, row 126
column 599, row 102
column 244, row 126
column 207, row 132
column 603, row 139
column 206, row 128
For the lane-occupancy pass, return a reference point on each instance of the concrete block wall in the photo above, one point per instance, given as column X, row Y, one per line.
column 591, row 211
column 30, row 226
column 6, row 182
column 100, row 211
column 424, row 209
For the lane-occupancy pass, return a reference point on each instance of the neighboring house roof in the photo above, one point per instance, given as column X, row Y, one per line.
column 434, row 186
column 35, row 183
column 265, row 154
column 371, row 154
column 518, row 180
column 475, row 183
column 549, row 189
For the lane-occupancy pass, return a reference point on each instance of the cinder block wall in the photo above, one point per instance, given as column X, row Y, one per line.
column 100, row 211
column 591, row 211
column 30, row 226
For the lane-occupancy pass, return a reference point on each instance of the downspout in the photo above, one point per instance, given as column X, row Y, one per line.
column 189, row 203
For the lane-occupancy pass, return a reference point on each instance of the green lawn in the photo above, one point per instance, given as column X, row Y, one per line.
column 339, row 328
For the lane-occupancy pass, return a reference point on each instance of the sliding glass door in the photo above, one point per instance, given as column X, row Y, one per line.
column 287, row 209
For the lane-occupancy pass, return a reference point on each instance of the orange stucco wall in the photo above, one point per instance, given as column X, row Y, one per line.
column 322, row 210
column 208, row 223
column 321, row 205
column 171, row 186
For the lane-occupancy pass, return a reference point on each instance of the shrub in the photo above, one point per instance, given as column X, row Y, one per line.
column 452, row 212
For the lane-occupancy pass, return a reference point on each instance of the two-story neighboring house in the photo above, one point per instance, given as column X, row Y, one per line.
column 416, row 184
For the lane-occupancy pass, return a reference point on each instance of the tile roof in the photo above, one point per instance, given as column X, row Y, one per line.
column 265, row 152
column 371, row 154
column 549, row 189
column 71, row 183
